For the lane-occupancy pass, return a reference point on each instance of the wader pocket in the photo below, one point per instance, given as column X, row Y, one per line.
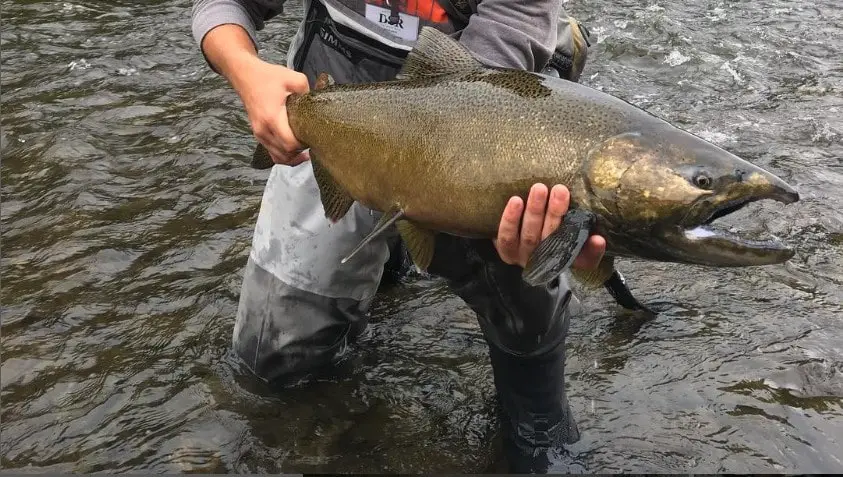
column 349, row 56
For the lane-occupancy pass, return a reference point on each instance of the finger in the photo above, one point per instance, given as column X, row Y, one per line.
column 298, row 84
column 266, row 135
column 557, row 207
column 531, row 225
column 299, row 158
column 284, row 134
column 591, row 253
column 278, row 150
column 278, row 156
column 507, row 240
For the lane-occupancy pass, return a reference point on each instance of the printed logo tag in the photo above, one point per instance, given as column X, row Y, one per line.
column 406, row 28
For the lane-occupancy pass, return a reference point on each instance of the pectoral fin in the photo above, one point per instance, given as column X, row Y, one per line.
column 557, row 252
column 419, row 242
column 386, row 220
column 335, row 200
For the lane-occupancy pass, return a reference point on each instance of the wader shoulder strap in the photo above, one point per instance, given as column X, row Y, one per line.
column 459, row 11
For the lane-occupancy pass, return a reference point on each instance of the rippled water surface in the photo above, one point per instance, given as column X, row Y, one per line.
column 127, row 213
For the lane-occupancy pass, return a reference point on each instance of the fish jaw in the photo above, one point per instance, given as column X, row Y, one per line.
column 699, row 242
column 719, row 248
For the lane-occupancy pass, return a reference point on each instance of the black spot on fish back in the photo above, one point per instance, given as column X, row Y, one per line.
column 522, row 83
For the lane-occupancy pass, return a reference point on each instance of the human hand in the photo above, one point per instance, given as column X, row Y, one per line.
column 264, row 87
column 517, row 238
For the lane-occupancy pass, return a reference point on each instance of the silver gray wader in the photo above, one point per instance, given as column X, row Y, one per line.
column 300, row 307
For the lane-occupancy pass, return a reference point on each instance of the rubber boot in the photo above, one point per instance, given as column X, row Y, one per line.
column 525, row 328
column 399, row 263
column 536, row 421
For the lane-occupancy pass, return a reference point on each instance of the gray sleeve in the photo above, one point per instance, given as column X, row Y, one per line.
column 513, row 33
column 250, row 14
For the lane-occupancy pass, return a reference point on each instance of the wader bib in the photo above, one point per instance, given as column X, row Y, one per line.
column 300, row 307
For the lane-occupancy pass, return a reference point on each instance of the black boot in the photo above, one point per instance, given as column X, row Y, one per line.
column 525, row 328
column 536, row 421
column 399, row 263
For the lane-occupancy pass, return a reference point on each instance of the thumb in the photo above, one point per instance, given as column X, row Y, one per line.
column 298, row 83
column 303, row 156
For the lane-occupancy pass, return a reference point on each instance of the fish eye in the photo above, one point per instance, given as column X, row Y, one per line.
column 702, row 180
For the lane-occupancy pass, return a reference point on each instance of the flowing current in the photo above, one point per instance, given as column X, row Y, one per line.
column 127, row 212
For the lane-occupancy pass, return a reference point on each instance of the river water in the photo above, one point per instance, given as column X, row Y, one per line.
column 127, row 212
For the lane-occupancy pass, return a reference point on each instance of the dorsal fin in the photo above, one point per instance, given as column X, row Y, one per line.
column 436, row 54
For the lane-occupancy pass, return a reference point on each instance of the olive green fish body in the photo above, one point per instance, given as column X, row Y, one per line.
column 451, row 150
column 444, row 146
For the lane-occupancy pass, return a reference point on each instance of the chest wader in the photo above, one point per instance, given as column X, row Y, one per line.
column 300, row 307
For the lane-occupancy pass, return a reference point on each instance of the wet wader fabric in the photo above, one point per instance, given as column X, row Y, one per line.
column 300, row 307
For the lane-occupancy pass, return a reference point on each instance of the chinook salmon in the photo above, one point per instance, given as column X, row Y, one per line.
column 443, row 147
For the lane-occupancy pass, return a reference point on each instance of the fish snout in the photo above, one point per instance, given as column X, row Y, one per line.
column 782, row 191
column 767, row 185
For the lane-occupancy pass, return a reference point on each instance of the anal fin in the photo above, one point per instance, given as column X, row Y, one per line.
column 596, row 277
column 557, row 252
column 419, row 241
column 335, row 200
column 387, row 219
column 607, row 276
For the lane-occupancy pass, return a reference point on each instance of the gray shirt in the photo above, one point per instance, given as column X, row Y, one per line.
column 505, row 33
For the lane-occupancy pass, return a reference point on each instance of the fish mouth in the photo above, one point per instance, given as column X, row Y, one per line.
column 729, row 208
column 714, row 244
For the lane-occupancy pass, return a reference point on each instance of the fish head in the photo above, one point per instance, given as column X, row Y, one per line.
column 660, row 192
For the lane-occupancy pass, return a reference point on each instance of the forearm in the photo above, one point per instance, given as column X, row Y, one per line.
column 211, row 15
column 229, row 50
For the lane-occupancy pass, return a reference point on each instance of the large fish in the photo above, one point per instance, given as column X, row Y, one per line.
column 444, row 146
